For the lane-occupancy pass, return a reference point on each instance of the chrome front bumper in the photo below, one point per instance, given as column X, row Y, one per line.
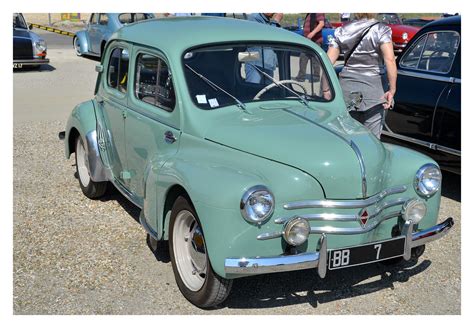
column 311, row 260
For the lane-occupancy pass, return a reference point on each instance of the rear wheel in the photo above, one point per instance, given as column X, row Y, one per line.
column 192, row 270
column 90, row 188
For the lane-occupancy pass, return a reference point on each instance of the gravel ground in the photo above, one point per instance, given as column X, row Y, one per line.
column 73, row 255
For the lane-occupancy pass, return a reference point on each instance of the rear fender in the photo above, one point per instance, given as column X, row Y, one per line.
column 84, row 41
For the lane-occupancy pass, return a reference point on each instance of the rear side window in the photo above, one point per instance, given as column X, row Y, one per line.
column 132, row 17
column 103, row 19
column 117, row 74
column 433, row 52
column 94, row 18
column 153, row 82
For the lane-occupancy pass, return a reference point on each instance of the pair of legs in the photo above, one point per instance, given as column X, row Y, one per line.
column 303, row 65
column 372, row 119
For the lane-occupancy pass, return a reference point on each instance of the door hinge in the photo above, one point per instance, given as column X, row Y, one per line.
column 124, row 114
column 125, row 175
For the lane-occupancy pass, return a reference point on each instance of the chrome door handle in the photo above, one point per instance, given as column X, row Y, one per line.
column 169, row 137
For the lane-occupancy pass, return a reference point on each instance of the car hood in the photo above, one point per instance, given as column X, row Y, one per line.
column 21, row 33
column 398, row 30
column 335, row 150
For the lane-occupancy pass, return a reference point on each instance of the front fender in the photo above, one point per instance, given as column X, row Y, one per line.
column 84, row 42
column 215, row 178
column 403, row 165
column 82, row 122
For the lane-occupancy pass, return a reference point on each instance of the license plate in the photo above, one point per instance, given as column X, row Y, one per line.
column 17, row 65
column 367, row 253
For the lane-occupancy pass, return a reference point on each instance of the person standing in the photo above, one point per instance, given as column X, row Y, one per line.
column 268, row 59
column 369, row 68
column 312, row 29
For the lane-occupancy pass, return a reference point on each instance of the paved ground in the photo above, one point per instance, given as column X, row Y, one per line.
column 77, row 256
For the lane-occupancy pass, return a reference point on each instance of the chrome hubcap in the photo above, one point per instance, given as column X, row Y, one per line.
column 189, row 250
column 77, row 46
column 82, row 164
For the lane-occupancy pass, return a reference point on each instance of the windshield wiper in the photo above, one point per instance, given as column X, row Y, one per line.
column 281, row 85
column 216, row 87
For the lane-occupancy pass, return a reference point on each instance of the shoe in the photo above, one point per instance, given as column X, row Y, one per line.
column 300, row 78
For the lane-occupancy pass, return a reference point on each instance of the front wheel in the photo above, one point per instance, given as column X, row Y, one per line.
column 77, row 46
column 89, row 188
column 192, row 270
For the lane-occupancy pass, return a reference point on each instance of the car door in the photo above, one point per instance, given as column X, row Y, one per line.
column 113, row 107
column 92, row 30
column 420, row 84
column 97, row 31
column 152, row 123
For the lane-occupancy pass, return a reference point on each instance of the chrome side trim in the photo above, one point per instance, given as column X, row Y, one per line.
column 426, row 144
column 363, row 173
column 310, row 260
column 428, row 76
column 358, row 203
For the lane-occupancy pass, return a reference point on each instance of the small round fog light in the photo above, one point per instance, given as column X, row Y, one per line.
column 414, row 210
column 296, row 231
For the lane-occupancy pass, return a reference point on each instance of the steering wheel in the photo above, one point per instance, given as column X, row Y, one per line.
column 436, row 52
column 271, row 86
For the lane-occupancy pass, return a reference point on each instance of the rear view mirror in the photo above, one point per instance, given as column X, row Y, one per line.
column 99, row 68
column 355, row 100
column 247, row 56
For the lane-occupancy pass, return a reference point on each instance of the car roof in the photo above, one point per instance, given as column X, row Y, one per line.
column 453, row 20
column 176, row 34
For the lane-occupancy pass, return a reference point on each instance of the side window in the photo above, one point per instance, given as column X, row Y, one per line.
column 117, row 73
column 153, row 82
column 412, row 56
column 125, row 18
column 103, row 19
column 93, row 19
column 435, row 52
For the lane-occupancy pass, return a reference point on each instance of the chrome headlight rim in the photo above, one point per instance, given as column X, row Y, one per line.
column 40, row 45
column 418, row 182
column 244, row 203
column 410, row 204
column 290, row 224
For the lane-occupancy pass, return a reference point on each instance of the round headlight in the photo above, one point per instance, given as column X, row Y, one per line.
column 257, row 204
column 405, row 36
column 414, row 210
column 427, row 180
column 296, row 231
column 40, row 45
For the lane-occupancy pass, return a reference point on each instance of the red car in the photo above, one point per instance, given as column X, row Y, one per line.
column 401, row 33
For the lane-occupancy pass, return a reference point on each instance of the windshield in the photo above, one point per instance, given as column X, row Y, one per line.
column 392, row 19
column 226, row 75
column 19, row 21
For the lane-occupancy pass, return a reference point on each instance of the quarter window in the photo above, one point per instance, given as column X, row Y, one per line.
column 117, row 76
column 153, row 82
column 434, row 52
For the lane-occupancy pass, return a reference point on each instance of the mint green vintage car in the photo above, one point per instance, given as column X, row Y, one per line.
column 200, row 123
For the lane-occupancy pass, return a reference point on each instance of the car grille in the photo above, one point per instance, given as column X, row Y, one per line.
column 22, row 48
column 343, row 217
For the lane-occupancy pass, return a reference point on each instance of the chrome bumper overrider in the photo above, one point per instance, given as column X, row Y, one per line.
column 311, row 260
